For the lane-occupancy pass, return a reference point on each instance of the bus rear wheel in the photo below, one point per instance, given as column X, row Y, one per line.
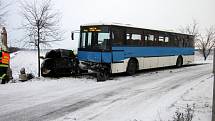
column 179, row 62
column 132, row 67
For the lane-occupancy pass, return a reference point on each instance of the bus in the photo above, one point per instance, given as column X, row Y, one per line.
column 116, row 48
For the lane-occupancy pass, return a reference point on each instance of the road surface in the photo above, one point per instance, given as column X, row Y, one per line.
column 141, row 96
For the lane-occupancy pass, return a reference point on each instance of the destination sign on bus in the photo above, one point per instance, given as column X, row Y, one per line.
column 92, row 29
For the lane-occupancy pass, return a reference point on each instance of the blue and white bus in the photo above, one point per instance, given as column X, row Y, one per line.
column 114, row 48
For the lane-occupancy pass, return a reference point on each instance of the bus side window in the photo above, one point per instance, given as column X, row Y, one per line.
column 133, row 39
column 150, row 41
column 161, row 41
column 128, row 36
column 133, row 36
column 190, row 41
column 142, row 40
column 161, row 38
column 176, row 43
column 145, row 40
column 151, row 37
column 128, row 39
column 172, row 41
column 146, row 37
column 136, row 39
column 166, row 41
column 184, row 42
column 180, row 41
column 117, row 37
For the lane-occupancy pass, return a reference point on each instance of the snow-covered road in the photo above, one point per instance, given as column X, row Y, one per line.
column 148, row 96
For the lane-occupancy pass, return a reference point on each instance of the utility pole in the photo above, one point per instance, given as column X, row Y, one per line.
column 213, row 108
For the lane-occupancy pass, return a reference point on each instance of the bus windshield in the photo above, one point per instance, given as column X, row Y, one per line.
column 96, row 38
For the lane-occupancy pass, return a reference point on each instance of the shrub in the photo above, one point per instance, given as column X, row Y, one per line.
column 186, row 115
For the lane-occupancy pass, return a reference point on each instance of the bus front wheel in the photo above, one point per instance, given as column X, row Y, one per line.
column 102, row 76
column 132, row 67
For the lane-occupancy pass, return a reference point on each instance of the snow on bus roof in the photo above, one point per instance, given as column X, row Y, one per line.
column 111, row 23
column 132, row 26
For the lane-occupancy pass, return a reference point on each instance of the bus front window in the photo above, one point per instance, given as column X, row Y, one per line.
column 97, row 38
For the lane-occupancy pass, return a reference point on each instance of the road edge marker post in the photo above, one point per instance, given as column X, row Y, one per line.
column 213, row 103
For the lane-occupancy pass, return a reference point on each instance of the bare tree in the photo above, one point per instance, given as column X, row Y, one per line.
column 41, row 24
column 206, row 43
column 3, row 10
column 192, row 29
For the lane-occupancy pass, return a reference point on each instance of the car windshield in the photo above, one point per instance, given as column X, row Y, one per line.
column 95, row 38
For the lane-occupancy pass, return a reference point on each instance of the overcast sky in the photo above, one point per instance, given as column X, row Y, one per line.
column 156, row 14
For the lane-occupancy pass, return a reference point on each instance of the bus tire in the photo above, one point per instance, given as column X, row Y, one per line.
column 179, row 62
column 103, row 76
column 132, row 67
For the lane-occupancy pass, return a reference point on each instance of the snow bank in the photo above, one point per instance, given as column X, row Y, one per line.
column 199, row 95
column 198, row 58
column 26, row 59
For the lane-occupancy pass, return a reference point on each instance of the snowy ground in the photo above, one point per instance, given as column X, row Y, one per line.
column 151, row 95
column 26, row 59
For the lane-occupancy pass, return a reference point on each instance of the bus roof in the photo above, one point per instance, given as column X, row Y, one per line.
column 131, row 26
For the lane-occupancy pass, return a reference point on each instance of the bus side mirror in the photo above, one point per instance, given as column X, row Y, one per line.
column 72, row 35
